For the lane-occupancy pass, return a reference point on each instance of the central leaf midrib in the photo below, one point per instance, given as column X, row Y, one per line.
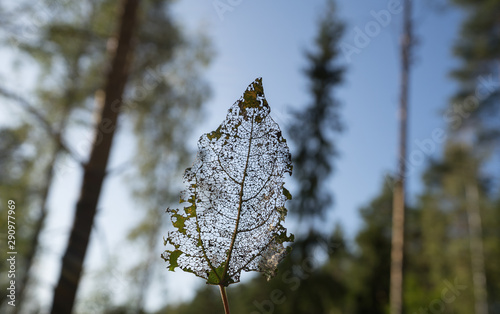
column 240, row 204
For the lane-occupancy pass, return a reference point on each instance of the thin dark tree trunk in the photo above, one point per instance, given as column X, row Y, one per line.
column 30, row 256
column 398, row 214
column 95, row 169
column 476, row 249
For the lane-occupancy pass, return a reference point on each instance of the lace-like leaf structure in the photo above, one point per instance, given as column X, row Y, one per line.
column 235, row 197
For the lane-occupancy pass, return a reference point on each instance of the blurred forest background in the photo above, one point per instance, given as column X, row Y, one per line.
column 123, row 77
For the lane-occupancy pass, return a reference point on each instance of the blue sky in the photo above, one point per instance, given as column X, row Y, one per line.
column 262, row 38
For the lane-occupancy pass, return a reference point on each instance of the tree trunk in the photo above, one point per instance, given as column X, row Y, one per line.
column 476, row 249
column 30, row 256
column 95, row 169
column 398, row 215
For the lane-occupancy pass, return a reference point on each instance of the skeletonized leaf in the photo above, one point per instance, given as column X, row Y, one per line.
column 235, row 197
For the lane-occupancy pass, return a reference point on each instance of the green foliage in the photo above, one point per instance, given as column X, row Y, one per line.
column 236, row 197
column 445, row 253
column 300, row 286
column 15, row 163
column 478, row 48
column 370, row 268
column 206, row 301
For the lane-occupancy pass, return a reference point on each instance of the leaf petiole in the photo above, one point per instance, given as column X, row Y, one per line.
column 224, row 298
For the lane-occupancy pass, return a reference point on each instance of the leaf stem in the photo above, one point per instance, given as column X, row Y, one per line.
column 224, row 298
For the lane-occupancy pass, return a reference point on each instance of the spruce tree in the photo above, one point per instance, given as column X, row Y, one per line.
column 475, row 107
column 316, row 124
